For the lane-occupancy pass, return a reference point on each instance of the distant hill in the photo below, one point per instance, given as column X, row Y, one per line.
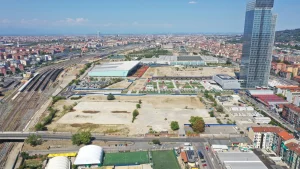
column 288, row 35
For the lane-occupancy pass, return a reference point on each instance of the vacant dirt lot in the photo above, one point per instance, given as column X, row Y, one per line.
column 203, row 71
column 115, row 117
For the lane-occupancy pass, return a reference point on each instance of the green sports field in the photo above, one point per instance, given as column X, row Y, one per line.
column 164, row 160
column 126, row 158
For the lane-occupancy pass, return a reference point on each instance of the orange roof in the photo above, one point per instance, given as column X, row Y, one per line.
column 285, row 135
column 293, row 147
column 288, row 87
column 292, row 107
column 184, row 157
column 267, row 129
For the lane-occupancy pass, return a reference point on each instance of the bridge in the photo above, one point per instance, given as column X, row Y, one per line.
column 21, row 136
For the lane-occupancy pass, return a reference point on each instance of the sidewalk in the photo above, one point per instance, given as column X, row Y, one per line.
column 13, row 156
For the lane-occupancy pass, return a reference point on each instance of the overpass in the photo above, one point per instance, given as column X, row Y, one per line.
column 21, row 136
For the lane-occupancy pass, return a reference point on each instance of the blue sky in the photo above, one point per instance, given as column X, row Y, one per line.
column 134, row 16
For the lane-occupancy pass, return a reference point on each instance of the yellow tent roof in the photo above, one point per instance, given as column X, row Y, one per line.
column 63, row 154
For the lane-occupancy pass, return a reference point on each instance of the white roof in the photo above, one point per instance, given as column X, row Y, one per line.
column 90, row 154
column 223, row 147
column 241, row 160
column 242, row 108
column 115, row 66
column 261, row 92
column 249, row 108
column 58, row 163
column 234, row 108
column 235, row 96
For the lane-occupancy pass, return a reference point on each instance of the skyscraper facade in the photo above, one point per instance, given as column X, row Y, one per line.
column 259, row 35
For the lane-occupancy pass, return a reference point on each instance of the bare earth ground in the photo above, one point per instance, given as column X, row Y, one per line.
column 171, row 71
column 115, row 117
column 120, row 85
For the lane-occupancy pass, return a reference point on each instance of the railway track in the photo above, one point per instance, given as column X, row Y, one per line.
column 21, row 105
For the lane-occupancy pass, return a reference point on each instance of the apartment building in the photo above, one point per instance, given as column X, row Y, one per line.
column 262, row 137
column 291, row 113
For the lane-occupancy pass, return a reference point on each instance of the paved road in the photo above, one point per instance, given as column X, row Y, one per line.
column 209, row 156
column 67, row 136
column 274, row 115
column 139, row 146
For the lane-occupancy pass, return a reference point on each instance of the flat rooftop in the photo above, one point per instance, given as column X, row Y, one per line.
column 189, row 58
column 115, row 66
column 241, row 160
column 208, row 58
column 225, row 77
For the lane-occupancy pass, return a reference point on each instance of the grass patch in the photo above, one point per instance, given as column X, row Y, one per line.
column 187, row 86
column 154, row 84
column 126, row 158
column 164, row 160
column 120, row 112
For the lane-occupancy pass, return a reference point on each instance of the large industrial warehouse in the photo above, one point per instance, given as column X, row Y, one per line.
column 114, row 69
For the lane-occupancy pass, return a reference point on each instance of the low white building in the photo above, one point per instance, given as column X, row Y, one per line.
column 90, row 155
column 59, row 163
column 262, row 120
column 219, row 148
column 227, row 82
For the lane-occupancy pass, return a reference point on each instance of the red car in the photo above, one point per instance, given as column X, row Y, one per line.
column 204, row 165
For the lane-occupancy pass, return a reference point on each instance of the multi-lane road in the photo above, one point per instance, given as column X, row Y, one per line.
column 14, row 136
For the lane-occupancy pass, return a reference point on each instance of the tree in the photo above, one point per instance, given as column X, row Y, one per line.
column 174, row 125
column 156, row 141
column 135, row 113
column 83, row 137
column 140, row 101
column 39, row 127
column 24, row 155
column 198, row 124
column 110, row 97
column 138, row 106
column 228, row 62
column 217, row 94
column 211, row 113
column 220, row 109
column 193, row 119
column 34, row 140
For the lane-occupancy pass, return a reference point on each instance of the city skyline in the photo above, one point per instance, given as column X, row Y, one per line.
column 133, row 17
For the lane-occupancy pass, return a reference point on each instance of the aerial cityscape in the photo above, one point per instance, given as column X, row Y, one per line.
column 150, row 85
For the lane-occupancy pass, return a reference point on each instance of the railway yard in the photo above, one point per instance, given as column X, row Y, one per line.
column 18, row 108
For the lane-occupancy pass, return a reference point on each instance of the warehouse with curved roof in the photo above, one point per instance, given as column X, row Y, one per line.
column 90, row 155
column 114, row 69
column 59, row 162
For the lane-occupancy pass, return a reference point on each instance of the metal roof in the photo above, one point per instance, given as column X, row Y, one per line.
column 115, row 66
column 241, row 160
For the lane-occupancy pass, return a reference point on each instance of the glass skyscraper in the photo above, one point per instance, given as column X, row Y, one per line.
column 259, row 34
